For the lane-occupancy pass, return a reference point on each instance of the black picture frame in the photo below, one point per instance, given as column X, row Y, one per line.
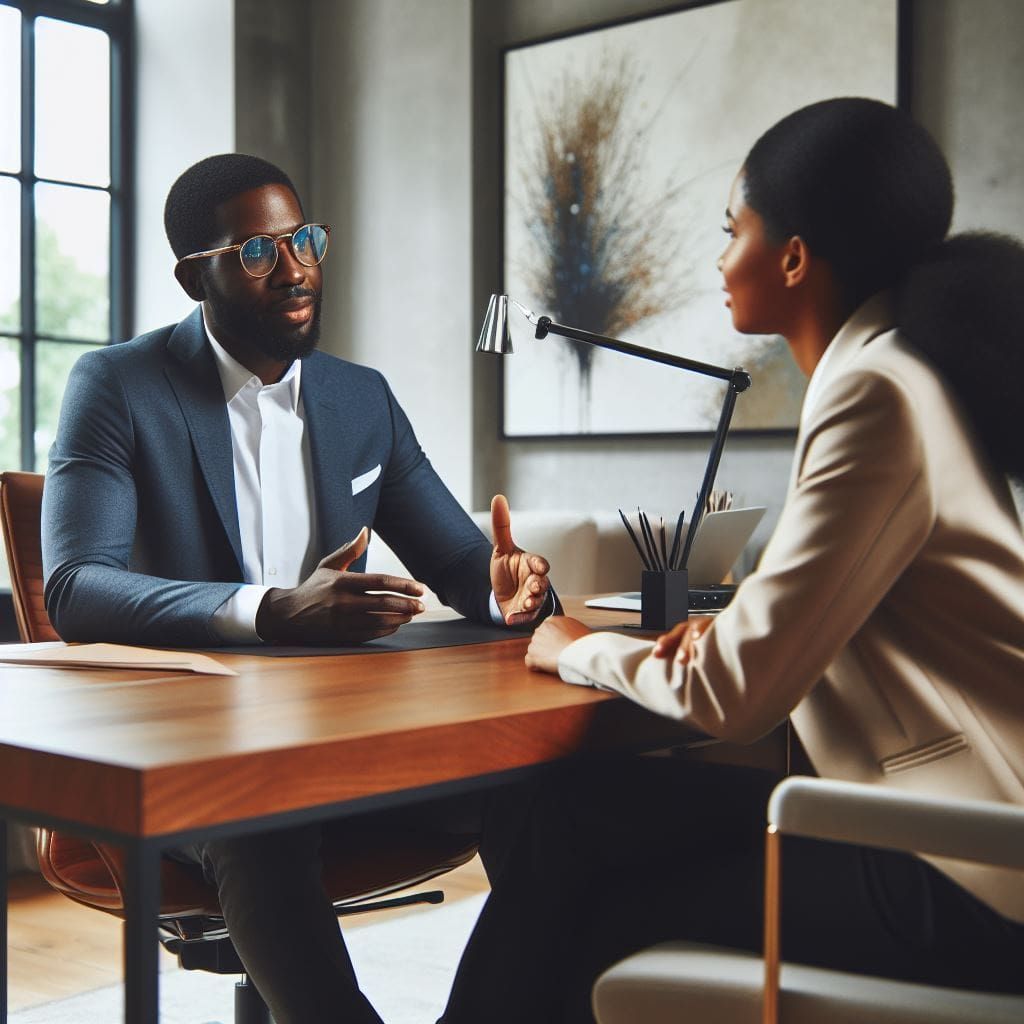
column 558, row 82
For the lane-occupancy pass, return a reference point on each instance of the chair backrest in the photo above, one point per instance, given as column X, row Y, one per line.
column 21, row 498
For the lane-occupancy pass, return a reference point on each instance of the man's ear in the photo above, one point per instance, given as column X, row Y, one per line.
column 795, row 261
column 190, row 278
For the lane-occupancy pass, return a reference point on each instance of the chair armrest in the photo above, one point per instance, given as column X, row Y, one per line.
column 848, row 812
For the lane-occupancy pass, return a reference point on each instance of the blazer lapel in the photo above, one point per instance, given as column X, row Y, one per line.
column 329, row 455
column 193, row 375
column 872, row 318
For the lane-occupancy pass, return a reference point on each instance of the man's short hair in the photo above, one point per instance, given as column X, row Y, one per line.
column 190, row 210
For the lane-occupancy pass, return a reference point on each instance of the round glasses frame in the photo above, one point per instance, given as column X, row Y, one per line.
column 274, row 241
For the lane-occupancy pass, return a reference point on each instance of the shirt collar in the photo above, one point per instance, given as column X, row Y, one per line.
column 234, row 376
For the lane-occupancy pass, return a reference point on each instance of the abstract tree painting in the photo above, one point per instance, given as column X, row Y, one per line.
column 621, row 144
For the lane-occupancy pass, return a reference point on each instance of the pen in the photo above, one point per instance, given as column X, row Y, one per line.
column 674, row 557
column 648, row 535
column 632, row 537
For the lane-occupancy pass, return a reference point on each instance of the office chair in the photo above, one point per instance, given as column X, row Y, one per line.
column 21, row 495
column 677, row 981
column 361, row 874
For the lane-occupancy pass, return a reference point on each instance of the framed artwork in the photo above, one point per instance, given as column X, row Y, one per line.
column 620, row 147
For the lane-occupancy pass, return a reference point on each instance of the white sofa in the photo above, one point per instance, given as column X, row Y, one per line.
column 589, row 552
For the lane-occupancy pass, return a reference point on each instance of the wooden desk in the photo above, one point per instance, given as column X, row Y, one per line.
column 153, row 761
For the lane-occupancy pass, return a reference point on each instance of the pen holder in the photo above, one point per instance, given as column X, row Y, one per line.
column 664, row 599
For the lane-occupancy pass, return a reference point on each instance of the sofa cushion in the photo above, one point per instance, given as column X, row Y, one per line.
column 587, row 553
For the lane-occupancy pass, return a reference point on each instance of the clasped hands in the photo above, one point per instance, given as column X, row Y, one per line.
column 335, row 606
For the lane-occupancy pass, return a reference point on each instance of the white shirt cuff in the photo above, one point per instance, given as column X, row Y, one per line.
column 499, row 620
column 234, row 621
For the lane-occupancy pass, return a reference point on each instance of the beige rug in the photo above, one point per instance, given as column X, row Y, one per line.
column 427, row 944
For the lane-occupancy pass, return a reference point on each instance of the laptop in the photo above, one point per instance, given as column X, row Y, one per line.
column 721, row 538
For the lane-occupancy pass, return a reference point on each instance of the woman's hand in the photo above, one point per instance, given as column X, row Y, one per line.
column 549, row 639
column 679, row 641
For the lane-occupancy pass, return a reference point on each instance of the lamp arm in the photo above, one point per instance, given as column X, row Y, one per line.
column 711, row 470
column 737, row 376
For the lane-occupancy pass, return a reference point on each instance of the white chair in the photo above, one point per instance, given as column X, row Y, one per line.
column 678, row 982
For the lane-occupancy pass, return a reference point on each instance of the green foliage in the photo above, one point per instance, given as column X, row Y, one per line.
column 72, row 303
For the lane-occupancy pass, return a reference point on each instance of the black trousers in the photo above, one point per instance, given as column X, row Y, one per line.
column 281, row 921
column 623, row 853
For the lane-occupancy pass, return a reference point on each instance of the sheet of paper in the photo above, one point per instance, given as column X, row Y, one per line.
column 617, row 602
column 112, row 656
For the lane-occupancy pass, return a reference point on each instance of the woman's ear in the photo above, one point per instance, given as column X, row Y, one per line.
column 190, row 279
column 795, row 261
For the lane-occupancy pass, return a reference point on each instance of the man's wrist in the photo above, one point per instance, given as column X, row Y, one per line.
column 234, row 622
column 549, row 606
column 266, row 620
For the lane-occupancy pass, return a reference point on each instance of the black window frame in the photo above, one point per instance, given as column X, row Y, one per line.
column 116, row 19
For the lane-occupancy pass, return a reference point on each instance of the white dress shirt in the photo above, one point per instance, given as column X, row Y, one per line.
column 273, row 489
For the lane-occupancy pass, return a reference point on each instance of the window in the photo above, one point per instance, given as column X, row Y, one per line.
column 65, row 200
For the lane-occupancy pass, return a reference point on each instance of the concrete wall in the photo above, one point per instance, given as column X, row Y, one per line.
column 186, row 111
column 968, row 90
column 391, row 172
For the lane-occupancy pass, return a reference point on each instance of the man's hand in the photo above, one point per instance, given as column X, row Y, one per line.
column 335, row 606
column 679, row 641
column 519, row 580
column 549, row 639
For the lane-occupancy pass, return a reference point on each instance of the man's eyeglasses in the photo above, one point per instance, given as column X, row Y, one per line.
column 259, row 253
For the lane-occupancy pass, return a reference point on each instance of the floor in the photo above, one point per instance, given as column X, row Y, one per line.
column 57, row 948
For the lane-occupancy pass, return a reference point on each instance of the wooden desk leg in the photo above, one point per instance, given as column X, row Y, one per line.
column 141, row 952
column 3, row 920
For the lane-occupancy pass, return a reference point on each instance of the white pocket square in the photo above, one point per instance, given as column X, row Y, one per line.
column 361, row 482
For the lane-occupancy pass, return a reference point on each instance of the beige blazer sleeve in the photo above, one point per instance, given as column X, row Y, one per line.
column 857, row 512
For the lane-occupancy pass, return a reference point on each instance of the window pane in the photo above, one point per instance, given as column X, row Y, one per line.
column 10, row 229
column 10, row 404
column 10, row 89
column 72, row 262
column 53, row 364
column 10, row 419
column 72, row 102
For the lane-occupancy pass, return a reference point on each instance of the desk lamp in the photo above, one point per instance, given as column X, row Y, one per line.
column 495, row 337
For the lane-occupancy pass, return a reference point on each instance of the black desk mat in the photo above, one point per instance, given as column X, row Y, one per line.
column 413, row 636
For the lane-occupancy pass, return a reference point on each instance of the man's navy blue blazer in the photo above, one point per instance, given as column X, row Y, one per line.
column 140, row 525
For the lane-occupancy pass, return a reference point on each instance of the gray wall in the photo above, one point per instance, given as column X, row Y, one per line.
column 404, row 151
column 186, row 111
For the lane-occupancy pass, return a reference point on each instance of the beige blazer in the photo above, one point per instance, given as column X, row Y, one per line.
column 887, row 614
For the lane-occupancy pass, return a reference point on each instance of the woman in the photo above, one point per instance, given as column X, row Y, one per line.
column 886, row 619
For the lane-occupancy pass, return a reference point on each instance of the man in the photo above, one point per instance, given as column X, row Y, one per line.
column 198, row 473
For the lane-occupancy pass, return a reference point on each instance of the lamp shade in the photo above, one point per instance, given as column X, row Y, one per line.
column 494, row 335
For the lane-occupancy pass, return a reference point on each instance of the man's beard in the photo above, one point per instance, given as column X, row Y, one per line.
column 256, row 329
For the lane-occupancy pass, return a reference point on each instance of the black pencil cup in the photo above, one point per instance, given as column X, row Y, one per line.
column 664, row 599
